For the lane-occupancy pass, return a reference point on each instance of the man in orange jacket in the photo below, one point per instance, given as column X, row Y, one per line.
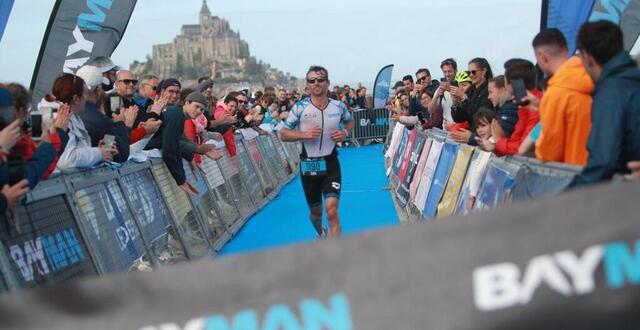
column 565, row 108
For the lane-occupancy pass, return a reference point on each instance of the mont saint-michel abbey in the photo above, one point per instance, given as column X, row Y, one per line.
column 209, row 48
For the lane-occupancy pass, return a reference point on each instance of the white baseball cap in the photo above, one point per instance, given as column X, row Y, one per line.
column 92, row 76
column 104, row 64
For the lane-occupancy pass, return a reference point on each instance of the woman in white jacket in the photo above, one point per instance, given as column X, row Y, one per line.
column 70, row 89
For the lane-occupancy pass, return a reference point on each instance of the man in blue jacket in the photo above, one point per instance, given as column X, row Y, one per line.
column 614, row 140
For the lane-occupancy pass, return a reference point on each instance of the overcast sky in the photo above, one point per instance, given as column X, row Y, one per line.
column 352, row 38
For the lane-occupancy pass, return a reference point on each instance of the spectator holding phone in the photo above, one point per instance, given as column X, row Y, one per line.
column 69, row 91
column 442, row 98
column 565, row 108
column 98, row 124
column 614, row 141
column 227, row 107
column 521, row 72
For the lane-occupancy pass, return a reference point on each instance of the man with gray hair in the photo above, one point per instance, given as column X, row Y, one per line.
column 147, row 92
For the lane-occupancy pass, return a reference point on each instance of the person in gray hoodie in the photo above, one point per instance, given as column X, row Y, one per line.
column 614, row 140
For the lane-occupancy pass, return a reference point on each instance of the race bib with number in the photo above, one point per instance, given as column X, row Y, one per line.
column 313, row 166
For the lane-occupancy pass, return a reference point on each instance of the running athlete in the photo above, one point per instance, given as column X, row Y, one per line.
column 319, row 122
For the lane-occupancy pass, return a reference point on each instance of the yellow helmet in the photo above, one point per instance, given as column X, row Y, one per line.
column 463, row 76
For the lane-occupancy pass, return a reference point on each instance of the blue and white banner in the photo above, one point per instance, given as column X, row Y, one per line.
column 5, row 10
column 381, row 87
column 78, row 31
column 566, row 16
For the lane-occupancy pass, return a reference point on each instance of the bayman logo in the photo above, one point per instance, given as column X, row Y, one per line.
column 335, row 185
column 502, row 285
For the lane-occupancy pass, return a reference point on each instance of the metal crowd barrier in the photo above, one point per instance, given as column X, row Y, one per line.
column 370, row 124
column 132, row 217
column 431, row 176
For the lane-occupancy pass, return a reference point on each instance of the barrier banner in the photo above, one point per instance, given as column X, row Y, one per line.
column 496, row 187
column 403, row 188
column 427, row 174
column 535, row 180
column 110, row 226
column 440, row 178
column 370, row 123
column 413, row 188
column 516, row 268
column 153, row 216
column 398, row 130
column 398, row 157
column 402, row 192
column 78, row 31
column 49, row 249
column 458, row 173
column 463, row 206
column 406, row 157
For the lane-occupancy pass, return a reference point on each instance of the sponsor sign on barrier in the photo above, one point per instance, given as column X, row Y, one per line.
column 115, row 220
column 370, row 123
column 517, row 268
column 458, row 172
column 402, row 193
column 497, row 184
column 398, row 157
column 424, row 154
column 440, row 178
column 427, row 174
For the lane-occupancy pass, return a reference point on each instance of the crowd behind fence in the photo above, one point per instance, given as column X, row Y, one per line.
column 432, row 176
column 133, row 217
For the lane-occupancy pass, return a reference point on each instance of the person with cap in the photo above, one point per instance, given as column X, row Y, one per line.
column 97, row 123
column 108, row 69
column 528, row 118
column 205, row 86
column 173, row 132
column 565, row 108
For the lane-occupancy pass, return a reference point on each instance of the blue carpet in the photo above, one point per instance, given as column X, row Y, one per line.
column 363, row 205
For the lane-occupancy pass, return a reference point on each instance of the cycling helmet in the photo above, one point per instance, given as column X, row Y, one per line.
column 463, row 76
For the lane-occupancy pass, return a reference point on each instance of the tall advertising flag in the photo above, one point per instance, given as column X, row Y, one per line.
column 78, row 31
column 625, row 13
column 5, row 10
column 566, row 16
column 381, row 87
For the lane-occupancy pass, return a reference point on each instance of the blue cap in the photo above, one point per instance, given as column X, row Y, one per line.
column 6, row 100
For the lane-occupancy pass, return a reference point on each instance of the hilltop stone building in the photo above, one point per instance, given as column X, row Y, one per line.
column 210, row 48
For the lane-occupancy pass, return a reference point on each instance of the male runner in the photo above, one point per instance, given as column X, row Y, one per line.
column 320, row 123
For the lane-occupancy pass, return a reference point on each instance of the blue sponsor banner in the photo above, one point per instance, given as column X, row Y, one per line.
column 496, row 187
column 5, row 10
column 382, row 86
column 566, row 16
column 440, row 178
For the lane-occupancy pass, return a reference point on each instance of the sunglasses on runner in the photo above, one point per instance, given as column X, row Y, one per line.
column 318, row 80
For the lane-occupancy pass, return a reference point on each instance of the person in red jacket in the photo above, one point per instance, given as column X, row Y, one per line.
column 527, row 117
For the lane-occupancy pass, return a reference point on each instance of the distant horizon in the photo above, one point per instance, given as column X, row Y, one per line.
column 358, row 40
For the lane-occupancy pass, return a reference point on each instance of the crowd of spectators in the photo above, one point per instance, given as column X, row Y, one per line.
column 580, row 110
column 104, row 114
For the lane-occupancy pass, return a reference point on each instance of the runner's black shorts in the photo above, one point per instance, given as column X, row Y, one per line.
column 328, row 184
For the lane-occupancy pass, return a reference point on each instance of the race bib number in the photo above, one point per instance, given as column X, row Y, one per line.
column 313, row 166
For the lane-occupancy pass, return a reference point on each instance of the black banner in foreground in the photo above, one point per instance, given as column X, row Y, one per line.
column 568, row 262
